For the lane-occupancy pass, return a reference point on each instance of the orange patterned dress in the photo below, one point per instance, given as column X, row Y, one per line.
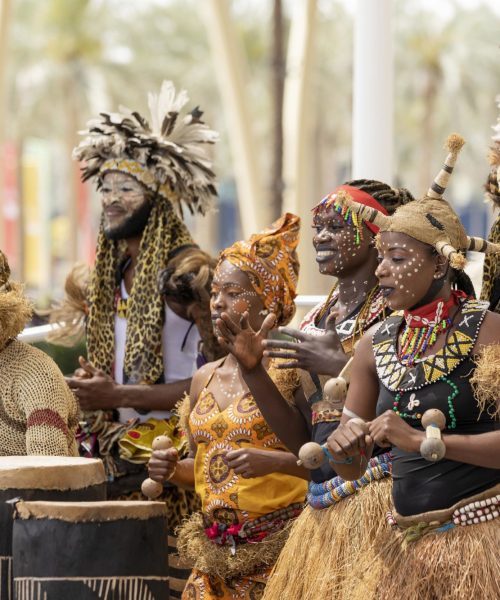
column 229, row 498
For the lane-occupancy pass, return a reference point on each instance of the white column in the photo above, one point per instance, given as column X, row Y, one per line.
column 297, row 116
column 230, row 67
column 297, row 120
column 373, row 106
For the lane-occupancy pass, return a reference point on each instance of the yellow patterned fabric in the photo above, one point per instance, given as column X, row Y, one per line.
column 270, row 260
column 227, row 497
column 204, row 587
column 136, row 445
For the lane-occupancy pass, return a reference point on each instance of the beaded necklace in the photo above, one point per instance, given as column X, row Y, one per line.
column 423, row 326
column 415, row 403
column 362, row 315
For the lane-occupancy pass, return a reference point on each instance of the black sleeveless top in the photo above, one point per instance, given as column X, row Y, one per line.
column 346, row 330
column 438, row 381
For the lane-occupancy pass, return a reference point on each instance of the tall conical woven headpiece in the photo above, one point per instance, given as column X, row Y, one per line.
column 431, row 219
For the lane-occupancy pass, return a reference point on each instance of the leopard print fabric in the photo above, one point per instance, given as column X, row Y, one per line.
column 491, row 272
column 180, row 503
column 164, row 233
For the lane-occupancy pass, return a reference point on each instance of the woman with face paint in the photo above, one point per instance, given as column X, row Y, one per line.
column 250, row 485
column 345, row 249
column 426, row 386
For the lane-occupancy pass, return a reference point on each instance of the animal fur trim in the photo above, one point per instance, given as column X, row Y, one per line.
column 15, row 312
column 486, row 380
column 183, row 409
column 70, row 314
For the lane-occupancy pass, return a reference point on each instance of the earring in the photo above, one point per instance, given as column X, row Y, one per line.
column 264, row 312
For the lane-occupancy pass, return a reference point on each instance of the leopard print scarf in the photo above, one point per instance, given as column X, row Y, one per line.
column 491, row 272
column 164, row 233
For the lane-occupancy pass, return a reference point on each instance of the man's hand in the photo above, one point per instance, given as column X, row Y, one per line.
column 242, row 341
column 253, row 462
column 321, row 354
column 93, row 388
column 389, row 429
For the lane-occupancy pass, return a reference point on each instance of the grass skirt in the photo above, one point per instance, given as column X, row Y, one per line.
column 460, row 564
column 328, row 551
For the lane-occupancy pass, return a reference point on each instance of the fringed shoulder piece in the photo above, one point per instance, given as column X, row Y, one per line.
column 183, row 409
column 486, row 381
column 70, row 314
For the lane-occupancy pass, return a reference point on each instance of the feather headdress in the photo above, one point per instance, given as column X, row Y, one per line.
column 431, row 219
column 168, row 154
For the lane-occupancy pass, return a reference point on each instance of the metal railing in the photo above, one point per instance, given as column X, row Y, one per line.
column 39, row 333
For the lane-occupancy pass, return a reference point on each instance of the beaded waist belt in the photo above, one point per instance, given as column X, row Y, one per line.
column 251, row 532
column 481, row 508
column 324, row 412
column 327, row 493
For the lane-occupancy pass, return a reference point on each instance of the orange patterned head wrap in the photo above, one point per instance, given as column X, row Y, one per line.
column 270, row 260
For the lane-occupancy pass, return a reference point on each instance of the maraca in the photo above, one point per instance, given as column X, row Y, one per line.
column 335, row 389
column 151, row 488
column 312, row 455
column 433, row 447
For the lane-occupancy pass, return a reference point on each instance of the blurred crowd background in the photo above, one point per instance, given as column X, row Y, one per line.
column 64, row 61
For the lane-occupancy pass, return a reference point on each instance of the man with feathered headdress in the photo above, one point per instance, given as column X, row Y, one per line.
column 146, row 301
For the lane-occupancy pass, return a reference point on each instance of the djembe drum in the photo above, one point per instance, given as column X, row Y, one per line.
column 90, row 550
column 42, row 478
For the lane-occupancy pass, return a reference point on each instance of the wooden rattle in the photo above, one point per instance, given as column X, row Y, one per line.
column 335, row 390
column 151, row 488
column 312, row 455
column 433, row 447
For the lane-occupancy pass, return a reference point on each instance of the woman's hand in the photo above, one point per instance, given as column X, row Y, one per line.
column 162, row 464
column 322, row 354
column 242, row 341
column 253, row 462
column 389, row 429
column 349, row 439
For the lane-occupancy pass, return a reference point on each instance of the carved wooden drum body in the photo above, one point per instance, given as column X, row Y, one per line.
column 42, row 478
column 90, row 551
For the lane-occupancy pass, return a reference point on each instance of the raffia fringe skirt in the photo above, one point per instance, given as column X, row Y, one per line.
column 329, row 551
column 462, row 563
